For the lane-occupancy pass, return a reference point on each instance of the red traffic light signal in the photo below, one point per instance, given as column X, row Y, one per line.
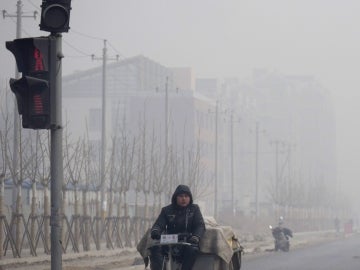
column 55, row 15
column 33, row 99
column 32, row 91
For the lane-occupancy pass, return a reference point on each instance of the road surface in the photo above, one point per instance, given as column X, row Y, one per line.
column 337, row 254
column 334, row 255
column 308, row 252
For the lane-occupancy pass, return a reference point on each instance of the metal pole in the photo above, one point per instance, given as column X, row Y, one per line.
column 166, row 118
column 103, row 134
column 216, row 161
column 56, row 161
column 277, row 169
column 232, row 162
column 256, row 170
column 104, row 60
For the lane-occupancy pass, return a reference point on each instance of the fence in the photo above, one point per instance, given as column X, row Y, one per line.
column 79, row 233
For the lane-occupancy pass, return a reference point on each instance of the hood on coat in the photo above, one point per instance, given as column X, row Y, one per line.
column 181, row 189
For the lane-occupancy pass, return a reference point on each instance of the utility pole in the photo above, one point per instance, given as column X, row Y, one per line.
column 16, row 145
column 104, row 59
column 216, row 199
column 167, row 144
column 256, row 170
column 290, row 172
column 233, row 208
column 16, row 190
column 276, row 169
column 166, row 118
column 232, row 162
column 216, row 160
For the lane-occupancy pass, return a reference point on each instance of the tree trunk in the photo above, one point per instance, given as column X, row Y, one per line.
column 63, row 223
column 33, row 213
column 2, row 177
column 18, row 219
column 119, row 206
column 146, row 207
column 146, row 213
column 77, row 217
column 137, row 217
column 111, row 201
column 98, row 219
column 47, row 216
column 86, row 220
column 154, row 207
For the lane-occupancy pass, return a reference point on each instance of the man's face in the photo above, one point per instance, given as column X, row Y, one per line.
column 183, row 200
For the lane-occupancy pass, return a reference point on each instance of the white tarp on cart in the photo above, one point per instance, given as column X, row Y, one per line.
column 217, row 240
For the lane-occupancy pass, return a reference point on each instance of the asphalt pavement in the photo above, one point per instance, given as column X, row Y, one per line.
column 126, row 258
column 256, row 249
column 341, row 253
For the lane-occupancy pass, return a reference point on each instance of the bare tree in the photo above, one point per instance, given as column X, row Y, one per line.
column 44, row 179
column 4, row 133
column 32, row 172
column 89, row 171
column 75, row 163
column 159, row 172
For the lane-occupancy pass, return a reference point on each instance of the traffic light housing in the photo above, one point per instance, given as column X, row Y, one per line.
column 55, row 16
column 33, row 90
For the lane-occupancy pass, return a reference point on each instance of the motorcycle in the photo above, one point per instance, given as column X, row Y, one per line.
column 281, row 236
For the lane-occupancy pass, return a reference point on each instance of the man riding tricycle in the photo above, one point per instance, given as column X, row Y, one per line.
column 181, row 239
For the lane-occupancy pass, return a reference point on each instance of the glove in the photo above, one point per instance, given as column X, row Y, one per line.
column 194, row 240
column 155, row 235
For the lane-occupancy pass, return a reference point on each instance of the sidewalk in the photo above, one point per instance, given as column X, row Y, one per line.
column 129, row 256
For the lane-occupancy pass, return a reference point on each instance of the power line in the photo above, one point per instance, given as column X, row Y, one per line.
column 35, row 6
column 96, row 38
column 22, row 28
column 76, row 56
column 119, row 53
column 80, row 34
column 83, row 54
column 85, row 35
column 76, row 49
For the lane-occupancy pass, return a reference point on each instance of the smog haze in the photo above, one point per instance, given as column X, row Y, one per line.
column 222, row 39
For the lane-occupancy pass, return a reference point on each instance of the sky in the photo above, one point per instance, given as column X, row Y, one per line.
column 222, row 38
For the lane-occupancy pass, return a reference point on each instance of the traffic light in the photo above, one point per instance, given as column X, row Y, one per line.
column 32, row 91
column 55, row 15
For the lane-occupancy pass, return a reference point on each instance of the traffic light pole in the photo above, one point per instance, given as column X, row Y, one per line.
column 56, row 161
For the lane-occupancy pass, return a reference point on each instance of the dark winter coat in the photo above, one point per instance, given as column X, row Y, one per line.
column 174, row 219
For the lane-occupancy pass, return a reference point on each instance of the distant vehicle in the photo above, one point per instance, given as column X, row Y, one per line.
column 281, row 236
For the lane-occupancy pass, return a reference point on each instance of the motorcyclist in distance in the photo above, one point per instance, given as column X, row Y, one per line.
column 182, row 216
column 287, row 232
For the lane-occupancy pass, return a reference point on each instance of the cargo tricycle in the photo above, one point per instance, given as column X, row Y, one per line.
column 219, row 249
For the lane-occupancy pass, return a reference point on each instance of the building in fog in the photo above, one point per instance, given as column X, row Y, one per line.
column 141, row 95
column 297, row 142
column 277, row 132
